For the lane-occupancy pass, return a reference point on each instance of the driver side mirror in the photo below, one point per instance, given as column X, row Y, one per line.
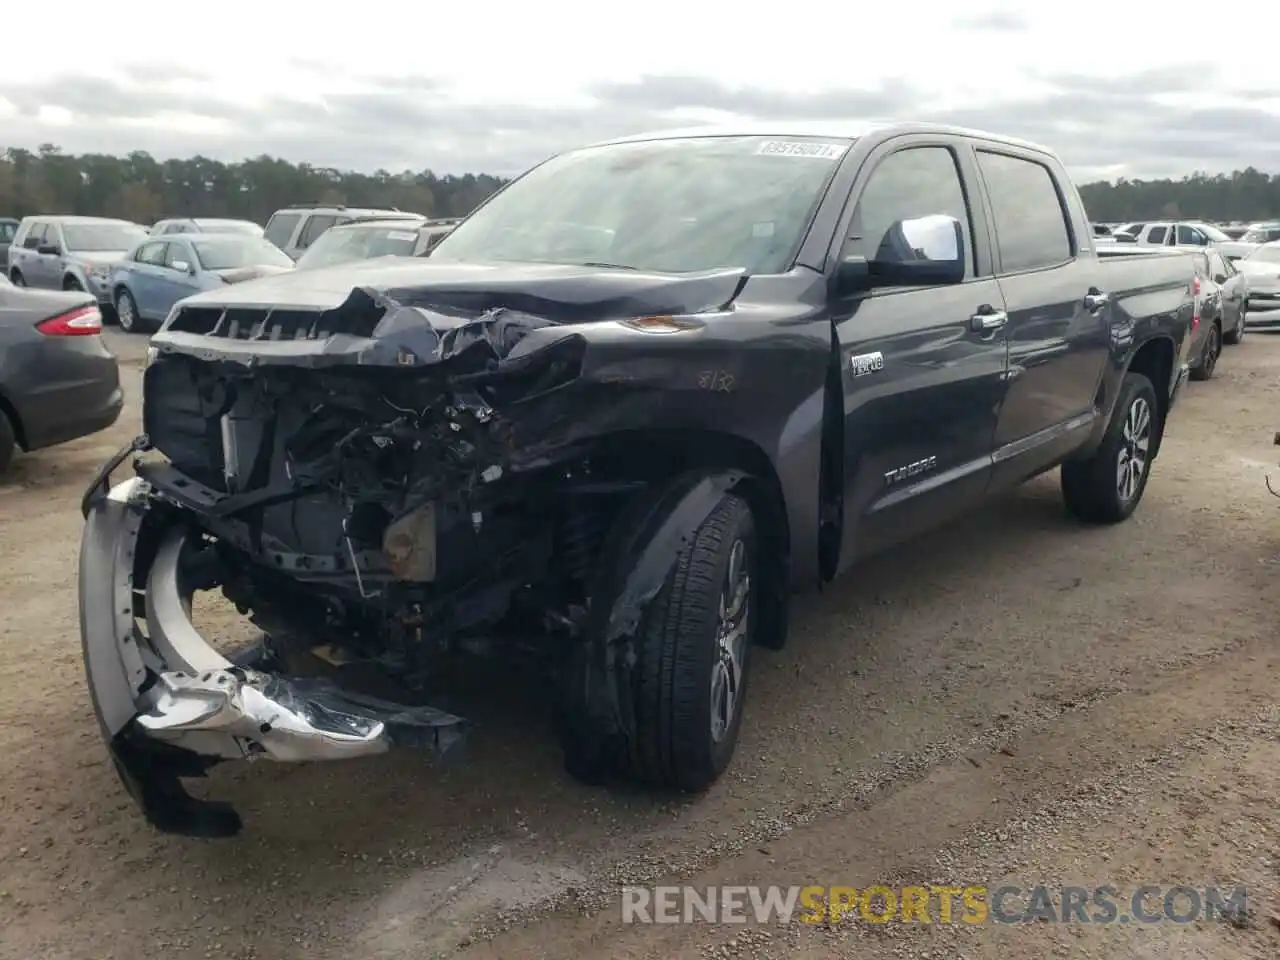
column 183, row 267
column 921, row 251
column 49, row 249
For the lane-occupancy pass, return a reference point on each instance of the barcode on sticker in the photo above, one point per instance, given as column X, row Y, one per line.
column 801, row 148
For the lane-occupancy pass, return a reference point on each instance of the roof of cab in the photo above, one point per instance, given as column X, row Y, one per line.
column 834, row 129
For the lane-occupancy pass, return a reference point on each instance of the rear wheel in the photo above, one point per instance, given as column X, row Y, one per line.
column 1236, row 334
column 8, row 442
column 1108, row 486
column 17, row 279
column 1212, row 350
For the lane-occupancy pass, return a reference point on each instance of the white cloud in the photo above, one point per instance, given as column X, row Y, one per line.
column 1112, row 86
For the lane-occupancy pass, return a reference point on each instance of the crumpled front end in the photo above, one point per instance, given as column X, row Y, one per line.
column 172, row 706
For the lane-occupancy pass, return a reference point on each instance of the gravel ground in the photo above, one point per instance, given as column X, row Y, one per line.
column 1012, row 699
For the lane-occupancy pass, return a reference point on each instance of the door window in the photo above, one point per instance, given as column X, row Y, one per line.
column 280, row 228
column 1190, row 236
column 151, row 254
column 177, row 254
column 1027, row 209
column 1218, row 267
column 315, row 226
column 1157, row 234
column 35, row 236
column 913, row 182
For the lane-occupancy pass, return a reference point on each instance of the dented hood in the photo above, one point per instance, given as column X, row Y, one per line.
column 556, row 292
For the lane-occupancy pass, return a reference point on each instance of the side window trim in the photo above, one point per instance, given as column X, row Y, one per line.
column 1074, row 243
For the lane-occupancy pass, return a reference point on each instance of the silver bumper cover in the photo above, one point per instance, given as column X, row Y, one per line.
column 170, row 705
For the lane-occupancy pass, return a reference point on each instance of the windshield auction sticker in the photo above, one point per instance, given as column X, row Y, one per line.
column 801, row 148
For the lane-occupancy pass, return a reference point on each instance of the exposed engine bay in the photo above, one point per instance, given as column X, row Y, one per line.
column 385, row 515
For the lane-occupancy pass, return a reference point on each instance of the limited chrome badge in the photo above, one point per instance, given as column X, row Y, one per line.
column 865, row 363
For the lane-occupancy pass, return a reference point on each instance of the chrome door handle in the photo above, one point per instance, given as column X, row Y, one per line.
column 986, row 322
column 1096, row 301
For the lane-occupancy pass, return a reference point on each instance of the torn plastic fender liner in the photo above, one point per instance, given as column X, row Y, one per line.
column 639, row 557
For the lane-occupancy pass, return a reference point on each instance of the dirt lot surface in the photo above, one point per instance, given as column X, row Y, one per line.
column 1014, row 699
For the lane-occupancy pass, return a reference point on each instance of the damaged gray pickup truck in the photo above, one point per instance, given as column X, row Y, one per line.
column 626, row 408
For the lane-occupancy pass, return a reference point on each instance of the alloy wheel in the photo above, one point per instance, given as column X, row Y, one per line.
column 1131, row 463
column 727, row 673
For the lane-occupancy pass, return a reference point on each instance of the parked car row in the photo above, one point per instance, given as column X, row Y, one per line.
column 137, row 275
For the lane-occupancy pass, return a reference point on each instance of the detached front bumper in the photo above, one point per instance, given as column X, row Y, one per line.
column 171, row 706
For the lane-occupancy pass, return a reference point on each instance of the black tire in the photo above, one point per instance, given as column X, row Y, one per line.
column 17, row 279
column 133, row 323
column 1209, row 357
column 71, row 283
column 1091, row 488
column 678, row 740
column 1235, row 335
column 8, row 442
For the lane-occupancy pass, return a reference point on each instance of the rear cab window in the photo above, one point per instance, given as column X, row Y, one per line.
column 280, row 228
column 1157, row 234
column 1027, row 209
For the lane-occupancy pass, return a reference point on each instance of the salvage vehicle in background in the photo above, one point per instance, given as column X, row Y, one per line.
column 294, row 228
column 625, row 408
column 163, row 228
column 368, row 238
column 58, row 382
column 1261, row 272
column 71, row 253
column 160, row 272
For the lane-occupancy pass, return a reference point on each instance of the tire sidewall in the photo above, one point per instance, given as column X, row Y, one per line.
column 17, row 279
column 1136, row 386
column 717, row 755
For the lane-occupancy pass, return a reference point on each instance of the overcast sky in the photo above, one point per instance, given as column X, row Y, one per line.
column 1118, row 88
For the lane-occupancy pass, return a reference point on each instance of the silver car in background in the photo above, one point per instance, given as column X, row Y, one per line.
column 1261, row 271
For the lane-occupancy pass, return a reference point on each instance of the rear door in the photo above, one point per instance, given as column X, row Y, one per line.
column 1058, row 332
column 922, row 382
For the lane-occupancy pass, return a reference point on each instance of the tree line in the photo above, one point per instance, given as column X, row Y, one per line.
column 141, row 188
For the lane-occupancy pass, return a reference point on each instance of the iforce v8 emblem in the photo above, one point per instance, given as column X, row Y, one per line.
column 865, row 363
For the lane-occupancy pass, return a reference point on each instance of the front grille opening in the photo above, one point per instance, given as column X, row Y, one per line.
column 259, row 323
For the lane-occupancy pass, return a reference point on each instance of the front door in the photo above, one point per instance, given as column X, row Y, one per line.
column 922, row 385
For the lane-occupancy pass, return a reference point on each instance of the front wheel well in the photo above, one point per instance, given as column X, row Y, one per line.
column 654, row 455
column 1154, row 360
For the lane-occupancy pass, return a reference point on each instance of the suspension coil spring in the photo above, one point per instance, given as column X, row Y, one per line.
column 580, row 539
